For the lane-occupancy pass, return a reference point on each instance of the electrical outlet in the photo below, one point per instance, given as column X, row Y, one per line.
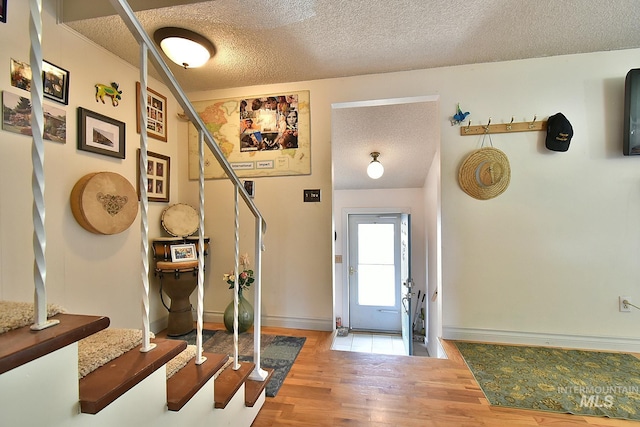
column 622, row 305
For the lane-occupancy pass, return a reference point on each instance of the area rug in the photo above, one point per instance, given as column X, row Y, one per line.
column 556, row 380
column 277, row 352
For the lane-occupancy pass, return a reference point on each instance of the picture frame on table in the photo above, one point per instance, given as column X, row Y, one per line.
column 100, row 134
column 156, row 113
column 185, row 252
column 55, row 82
column 158, row 177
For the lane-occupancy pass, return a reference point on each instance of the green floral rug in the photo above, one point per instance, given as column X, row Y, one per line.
column 556, row 380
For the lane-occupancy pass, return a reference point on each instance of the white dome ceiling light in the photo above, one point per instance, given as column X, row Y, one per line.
column 375, row 168
column 184, row 47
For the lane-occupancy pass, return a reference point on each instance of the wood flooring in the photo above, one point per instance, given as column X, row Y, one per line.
column 338, row 388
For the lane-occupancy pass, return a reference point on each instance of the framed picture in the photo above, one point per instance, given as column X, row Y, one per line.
column 3, row 10
column 20, row 75
column 264, row 135
column 16, row 115
column 100, row 134
column 186, row 252
column 158, row 177
column 55, row 82
column 156, row 114
column 250, row 187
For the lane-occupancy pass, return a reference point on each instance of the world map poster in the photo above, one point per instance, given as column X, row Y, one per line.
column 265, row 135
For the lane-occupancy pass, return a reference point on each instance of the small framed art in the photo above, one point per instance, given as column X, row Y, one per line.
column 3, row 10
column 250, row 187
column 100, row 134
column 55, row 82
column 156, row 114
column 158, row 177
column 186, row 252
column 20, row 75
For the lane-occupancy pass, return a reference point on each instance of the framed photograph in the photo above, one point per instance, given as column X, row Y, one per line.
column 3, row 10
column 250, row 187
column 55, row 82
column 186, row 252
column 158, row 177
column 16, row 115
column 100, row 134
column 156, row 114
column 20, row 74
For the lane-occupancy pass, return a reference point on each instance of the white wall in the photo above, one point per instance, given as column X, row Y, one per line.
column 553, row 253
column 405, row 200
column 86, row 273
column 548, row 258
column 556, row 247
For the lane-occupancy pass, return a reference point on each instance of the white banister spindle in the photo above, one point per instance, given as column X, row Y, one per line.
column 258, row 374
column 200, row 308
column 236, row 301
column 144, row 202
column 37, row 178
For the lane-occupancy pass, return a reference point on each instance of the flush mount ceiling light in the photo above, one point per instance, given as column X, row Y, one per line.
column 184, row 47
column 375, row 168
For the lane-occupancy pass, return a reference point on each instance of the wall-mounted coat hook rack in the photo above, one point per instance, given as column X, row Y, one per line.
column 504, row 127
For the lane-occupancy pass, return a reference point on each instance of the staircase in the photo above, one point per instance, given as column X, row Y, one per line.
column 39, row 383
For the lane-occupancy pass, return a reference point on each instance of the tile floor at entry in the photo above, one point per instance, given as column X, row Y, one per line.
column 365, row 342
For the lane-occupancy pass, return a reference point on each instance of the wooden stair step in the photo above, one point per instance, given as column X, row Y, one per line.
column 253, row 389
column 112, row 380
column 22, row 345
column 229, row 382
column 185, row 383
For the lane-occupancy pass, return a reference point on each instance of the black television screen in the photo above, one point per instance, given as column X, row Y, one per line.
column 631, row 137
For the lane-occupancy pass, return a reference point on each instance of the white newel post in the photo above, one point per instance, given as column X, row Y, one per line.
column 144, row 202
column 258, row 374
column 200, row 308
column 37, row 179
column 236, row 365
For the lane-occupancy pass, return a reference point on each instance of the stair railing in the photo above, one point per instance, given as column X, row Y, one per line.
column 37, row 179
column 133, row 24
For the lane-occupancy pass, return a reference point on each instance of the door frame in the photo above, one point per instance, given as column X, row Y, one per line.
column 345, row 242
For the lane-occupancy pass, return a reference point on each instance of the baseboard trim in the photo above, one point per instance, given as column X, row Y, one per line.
column 550, row 340
column 313, row 324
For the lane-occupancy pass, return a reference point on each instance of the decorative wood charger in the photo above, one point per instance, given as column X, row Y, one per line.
column 104, row 203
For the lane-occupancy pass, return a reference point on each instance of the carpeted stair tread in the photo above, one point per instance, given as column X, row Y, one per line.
column 104, row 385
column 185, row 383
column 229, row 382
column 253, row 388
column 16, row 314
column 22, row 345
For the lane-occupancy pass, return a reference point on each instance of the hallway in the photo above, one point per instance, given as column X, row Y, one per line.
column 366, row 342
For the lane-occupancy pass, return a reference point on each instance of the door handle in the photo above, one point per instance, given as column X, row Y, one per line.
column 352, row 270
column 404, row 304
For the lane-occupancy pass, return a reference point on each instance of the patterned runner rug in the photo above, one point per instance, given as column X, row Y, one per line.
column 277, row 352
column 556, row 380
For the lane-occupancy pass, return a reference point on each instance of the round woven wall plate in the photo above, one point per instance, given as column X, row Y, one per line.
column 485, row 173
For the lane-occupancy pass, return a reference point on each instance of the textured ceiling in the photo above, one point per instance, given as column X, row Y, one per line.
column 275, row 41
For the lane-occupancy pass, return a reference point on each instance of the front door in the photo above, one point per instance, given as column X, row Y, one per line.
column 374, row 273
